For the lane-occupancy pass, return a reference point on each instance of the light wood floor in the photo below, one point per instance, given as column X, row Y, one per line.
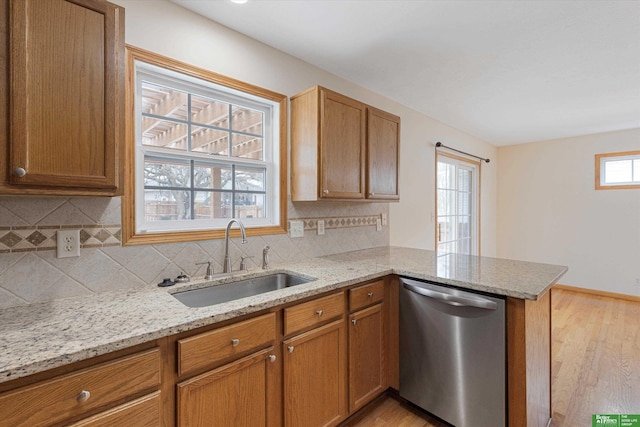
column 595, row 364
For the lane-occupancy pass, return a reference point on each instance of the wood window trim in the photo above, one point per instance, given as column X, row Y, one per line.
column 599, row 157
column 479, row 213
column 129, row 235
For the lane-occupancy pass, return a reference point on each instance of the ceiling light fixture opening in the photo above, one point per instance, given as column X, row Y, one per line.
column 239, row 1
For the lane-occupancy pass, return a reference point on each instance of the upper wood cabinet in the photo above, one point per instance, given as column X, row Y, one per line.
column 66, row 97
column 383, row 151
column 342, row 149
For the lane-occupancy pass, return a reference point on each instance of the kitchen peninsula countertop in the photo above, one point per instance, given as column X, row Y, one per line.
column 38, row 337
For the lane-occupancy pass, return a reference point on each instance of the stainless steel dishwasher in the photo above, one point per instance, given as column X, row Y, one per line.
column 453, row 353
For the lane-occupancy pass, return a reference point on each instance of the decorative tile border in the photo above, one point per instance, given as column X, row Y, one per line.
column 339, row 222
column 43, row 238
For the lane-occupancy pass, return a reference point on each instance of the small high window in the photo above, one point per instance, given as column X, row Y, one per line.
column 618, row 170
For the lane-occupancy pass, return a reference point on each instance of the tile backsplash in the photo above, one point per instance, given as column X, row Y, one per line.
column 30, row 271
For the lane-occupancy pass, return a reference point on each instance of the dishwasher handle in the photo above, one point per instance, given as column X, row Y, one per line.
column 458, row 301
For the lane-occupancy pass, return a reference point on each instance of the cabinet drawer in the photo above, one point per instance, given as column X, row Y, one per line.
column 206, row 349
column 60, row 398
column 143, row 412
column 313, row 313
column 363, row 296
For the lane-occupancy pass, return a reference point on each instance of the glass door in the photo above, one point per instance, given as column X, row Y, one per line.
column 457, row 226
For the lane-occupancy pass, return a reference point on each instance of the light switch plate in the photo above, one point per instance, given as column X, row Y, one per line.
column 68, row 243
column 378, row 224
column 384, row 218
column 321, row 227
column 296, row 229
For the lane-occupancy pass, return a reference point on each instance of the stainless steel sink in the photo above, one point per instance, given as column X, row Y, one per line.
column 240, row 289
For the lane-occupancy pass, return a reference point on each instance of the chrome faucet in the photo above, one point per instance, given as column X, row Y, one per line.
column 227, row 260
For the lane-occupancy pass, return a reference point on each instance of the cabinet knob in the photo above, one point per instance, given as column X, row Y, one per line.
column 325, row 192
column 272, row 358
column 354, row 321
column 319, row 313
column 290, row 348
column 372, row 194
column 235, row 342
column 19, row 172
column 370, row 294
column 83, row 396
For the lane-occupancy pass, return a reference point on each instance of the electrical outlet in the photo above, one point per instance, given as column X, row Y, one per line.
column 296, row 229
column 384, row 218
column 378, row 224
column 321, row 227
column 68, row 243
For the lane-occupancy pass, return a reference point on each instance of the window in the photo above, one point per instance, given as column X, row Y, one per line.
column 457, row 226
column 204, row 149
column 618, row 170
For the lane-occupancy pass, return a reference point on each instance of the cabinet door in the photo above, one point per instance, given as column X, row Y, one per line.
column 342, row 146
column 383, row 147
column 315, row 377
column 366, row 356
column 66, row 93
column 241, row 393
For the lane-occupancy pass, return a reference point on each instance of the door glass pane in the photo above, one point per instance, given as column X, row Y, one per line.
column 636, row 170
column 456, row 204
column 446, row 175
column 446, row 202
column 464, row 180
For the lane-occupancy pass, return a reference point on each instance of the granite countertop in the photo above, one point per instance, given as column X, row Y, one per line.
column 37, row 337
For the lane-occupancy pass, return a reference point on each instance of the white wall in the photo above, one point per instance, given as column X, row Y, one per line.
column 413, row 222
column 549, row 211
column 170, row 30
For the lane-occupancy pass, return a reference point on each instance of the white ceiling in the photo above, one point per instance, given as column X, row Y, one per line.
column 507, row 72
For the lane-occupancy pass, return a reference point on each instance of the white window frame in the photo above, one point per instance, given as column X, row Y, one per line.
column 474, row 167
column 603, row 159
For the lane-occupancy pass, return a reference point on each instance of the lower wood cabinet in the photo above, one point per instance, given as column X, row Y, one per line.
column 241, row 393
column 92, row 392
column 315, row 377
column 366, row 356
column 143, row 412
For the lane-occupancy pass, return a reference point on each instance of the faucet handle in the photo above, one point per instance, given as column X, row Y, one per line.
column 243, row 264
column 265, row 258
column 209, row 274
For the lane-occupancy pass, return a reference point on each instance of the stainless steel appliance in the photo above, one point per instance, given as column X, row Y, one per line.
column 453, row 353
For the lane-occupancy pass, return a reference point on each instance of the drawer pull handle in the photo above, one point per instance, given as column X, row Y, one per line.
column 290, row 348
column 235, row 342
column 370, row 294
column 319, row 313
column 272, row 358
column 83, row 396
column 354, row 321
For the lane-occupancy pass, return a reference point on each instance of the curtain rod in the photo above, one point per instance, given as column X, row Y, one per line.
column 440, row 144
